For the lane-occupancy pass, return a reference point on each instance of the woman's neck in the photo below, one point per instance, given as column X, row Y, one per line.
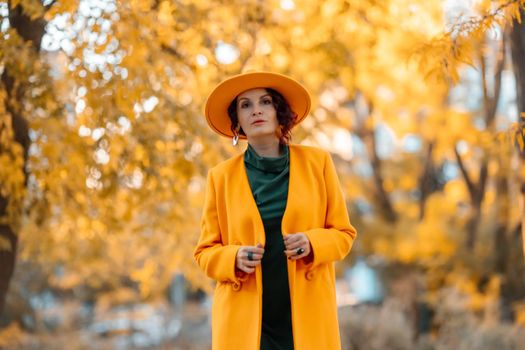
column 266, row 148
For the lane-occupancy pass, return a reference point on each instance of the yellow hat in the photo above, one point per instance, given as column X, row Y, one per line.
column 216, row 110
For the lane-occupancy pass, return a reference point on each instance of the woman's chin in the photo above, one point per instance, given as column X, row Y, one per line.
column 261, row 135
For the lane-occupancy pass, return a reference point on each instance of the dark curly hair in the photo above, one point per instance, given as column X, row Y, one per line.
column 285, row 116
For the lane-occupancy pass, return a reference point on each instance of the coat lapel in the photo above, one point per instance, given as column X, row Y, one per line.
column 243, row 195
column 287, row 222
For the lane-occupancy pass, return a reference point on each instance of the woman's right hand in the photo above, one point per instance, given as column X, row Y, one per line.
column 255, row 253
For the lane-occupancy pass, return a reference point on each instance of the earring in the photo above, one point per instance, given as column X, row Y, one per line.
column 235, row 139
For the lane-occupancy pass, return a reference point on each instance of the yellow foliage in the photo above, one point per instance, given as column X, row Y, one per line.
column 429, row 244
column 144, row 276
column 5, row 244
column 438, row 207
column 406, row 250
column 68, row 280
column 61, row 7
column 442, row 57
column 11, row 336
column 434, row 240
column 467, row 284
column 456, row 191
column 407, row 182
column 119, row 296
column 12, row 178
column 426, row 243
column 519, row 309
column 117, row 185
column 517, row 131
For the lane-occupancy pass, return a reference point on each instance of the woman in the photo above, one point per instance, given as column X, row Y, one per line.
column 274, row 222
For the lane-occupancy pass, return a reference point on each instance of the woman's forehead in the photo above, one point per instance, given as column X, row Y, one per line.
column 252, row 93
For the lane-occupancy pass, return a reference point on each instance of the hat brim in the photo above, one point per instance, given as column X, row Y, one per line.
column 216, row 109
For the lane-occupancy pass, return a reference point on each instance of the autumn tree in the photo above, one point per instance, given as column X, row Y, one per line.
column 111, row 95
column 475, row 41
column 19, row 48
column 115, row 164
column 518, row 60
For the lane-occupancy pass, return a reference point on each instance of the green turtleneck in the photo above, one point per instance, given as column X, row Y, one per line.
column 268, row 178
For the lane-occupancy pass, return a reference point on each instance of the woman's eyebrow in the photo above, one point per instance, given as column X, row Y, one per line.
column 260, row 97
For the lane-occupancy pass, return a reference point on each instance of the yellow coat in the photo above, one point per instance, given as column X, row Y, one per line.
column 230, row 219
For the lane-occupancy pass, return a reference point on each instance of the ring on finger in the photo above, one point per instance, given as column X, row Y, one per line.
column 299, row 251
column 250, row 255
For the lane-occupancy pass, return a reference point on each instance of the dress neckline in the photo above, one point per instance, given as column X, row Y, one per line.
column 268, row 164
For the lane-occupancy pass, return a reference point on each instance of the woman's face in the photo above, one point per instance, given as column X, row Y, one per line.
column 256, row 114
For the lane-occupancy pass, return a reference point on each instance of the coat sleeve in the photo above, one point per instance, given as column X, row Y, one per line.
column 214, row 258
column 334, row 241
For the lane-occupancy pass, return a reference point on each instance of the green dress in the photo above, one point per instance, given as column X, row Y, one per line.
column 268, row 178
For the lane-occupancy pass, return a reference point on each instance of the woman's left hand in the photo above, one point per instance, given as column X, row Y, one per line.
column 297, row 246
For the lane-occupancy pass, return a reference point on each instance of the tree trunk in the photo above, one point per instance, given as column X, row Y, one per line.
column 30, row 30
column 424, row 181
column 490, row 101
column 366, row 131
column 382, row 196
column 518, row 60
column 509, row 262
column 8, row 257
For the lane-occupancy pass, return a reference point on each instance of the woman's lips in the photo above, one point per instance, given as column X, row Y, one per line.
column 257, row 122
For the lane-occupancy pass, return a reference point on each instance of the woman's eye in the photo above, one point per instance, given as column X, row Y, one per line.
column 267, row 101
column 244, row 104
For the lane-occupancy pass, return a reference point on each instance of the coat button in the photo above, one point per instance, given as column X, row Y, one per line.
column 236, row 286
column 309, row 275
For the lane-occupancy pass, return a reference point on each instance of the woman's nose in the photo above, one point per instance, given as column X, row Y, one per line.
column 256, row 110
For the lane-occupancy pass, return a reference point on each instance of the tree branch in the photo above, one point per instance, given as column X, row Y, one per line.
column 425, row 181
column 48, row 6
column 470, row 184
column 483, row 175
column 500, row 64
column 486, row 97
column 29, row 29
column 171, row 51
column 381, row 193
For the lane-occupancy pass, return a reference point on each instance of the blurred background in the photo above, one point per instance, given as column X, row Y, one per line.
column 104, row 151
